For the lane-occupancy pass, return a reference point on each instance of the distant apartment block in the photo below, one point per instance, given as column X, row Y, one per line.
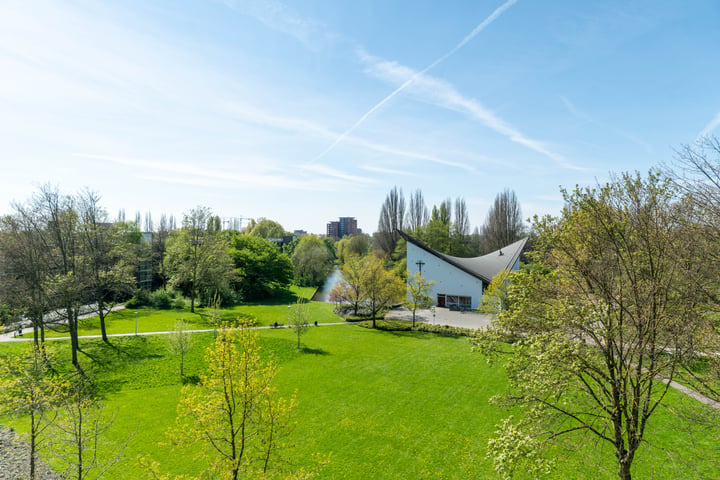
column 344, row 226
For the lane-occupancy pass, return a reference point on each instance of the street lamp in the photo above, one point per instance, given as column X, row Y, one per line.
column 135, row 323
column 433, row 312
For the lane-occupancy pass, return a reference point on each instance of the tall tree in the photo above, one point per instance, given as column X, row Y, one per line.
column 392, row 218
column 196, row 258
column 503, row 224
column 417, row 215
column 312, row 261
column 436, row 233
column 67, row 283
column 235, row 412
column 24, row 266
column 610, row 313
column 260, row 267
column 460, row 229
column 111, row 261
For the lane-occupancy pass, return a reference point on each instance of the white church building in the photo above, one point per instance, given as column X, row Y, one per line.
column 459, row 282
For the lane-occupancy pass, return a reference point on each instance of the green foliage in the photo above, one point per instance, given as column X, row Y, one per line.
column 495, row 298
column 260, row 267
column 267, row 229
column 614, row 303
column 299, row 318
column 417, row 293
column 312, row 261
column 235, row 412
column 197, row 259
column 353, row 245
column 160, row 300
column 141, row 298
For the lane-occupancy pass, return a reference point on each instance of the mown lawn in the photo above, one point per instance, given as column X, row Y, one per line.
column 383, row 405
column 153, row 320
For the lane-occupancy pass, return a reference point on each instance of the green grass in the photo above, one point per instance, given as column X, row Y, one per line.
column 381, row 404
column 153, row 320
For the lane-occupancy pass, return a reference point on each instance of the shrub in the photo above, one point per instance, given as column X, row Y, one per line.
column 179, row 303
column 141, row 298
column 161, row 300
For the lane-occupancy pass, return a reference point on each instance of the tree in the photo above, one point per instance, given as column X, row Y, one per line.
column 312, row 261
column 392, row 219
column 66, row 282
column 350, row 289
column 267, row 229
column 111, row 262
column 357, row 245
column 180, row 342
column 24, row 266
column 381, row 288
column 299, row 318
column 260, row 267
column 495, row 298
column 417, row 215
column 460, row 229
column 611, row 312
column 78, row 434
column 29, row 387
column 436, row 233
column 417, row 293
column 234, row 415
column 503, row 224
column 197, row 258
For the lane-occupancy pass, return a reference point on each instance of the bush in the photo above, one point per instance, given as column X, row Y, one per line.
column 141, row 298
column 179, row 303
column 161, row 300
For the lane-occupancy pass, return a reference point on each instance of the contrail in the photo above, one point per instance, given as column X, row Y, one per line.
column 498, row 11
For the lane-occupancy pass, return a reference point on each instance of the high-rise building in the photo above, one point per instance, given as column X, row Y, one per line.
column 348, row 226
column 339, row 229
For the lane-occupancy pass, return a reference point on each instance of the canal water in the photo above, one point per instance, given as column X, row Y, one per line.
column 321, row 295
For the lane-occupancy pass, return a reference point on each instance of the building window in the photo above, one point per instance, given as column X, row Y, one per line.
column 454, row 302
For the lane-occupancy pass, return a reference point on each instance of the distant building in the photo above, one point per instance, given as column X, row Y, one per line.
column 344, row 226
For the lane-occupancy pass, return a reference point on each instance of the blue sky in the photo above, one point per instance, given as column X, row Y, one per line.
column 306, row 111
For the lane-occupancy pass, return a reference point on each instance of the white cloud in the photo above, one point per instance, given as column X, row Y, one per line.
column 279, row 17
column 443, row 94
column 710, row 127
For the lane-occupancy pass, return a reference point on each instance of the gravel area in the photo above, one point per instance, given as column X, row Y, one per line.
column 15, row 459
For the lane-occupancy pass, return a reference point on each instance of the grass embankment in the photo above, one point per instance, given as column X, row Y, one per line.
column 382, row 404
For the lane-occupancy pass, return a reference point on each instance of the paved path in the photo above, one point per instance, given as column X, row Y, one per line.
column 4, row 338
column 443, row 316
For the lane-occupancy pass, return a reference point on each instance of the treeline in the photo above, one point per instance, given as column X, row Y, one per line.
column 62, row 257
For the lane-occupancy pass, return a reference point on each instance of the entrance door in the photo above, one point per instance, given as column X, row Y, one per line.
column 441, row 300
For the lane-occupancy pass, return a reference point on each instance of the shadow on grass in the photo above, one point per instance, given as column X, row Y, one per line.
column 314, row 351
column 190, row 379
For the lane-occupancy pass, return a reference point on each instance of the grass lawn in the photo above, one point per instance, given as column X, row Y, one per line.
column 385, row 405
column 153, row 320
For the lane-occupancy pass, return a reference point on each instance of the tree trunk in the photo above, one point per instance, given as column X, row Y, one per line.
column 624, row 470
column 33, row 434
column 101, row 315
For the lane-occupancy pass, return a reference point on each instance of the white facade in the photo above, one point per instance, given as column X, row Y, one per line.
column 449, row 280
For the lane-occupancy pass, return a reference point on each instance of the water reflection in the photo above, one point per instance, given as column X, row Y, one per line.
column 322, row 294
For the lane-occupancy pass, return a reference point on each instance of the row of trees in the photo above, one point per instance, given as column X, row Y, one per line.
column 446, row 228
column 62, row 257
column 619, row 301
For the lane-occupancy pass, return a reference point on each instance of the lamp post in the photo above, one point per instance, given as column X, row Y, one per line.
column 135, row 323
column 289, row 316
column 433, row 312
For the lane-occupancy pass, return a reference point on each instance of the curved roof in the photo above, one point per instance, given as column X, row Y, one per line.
column 484, row 267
